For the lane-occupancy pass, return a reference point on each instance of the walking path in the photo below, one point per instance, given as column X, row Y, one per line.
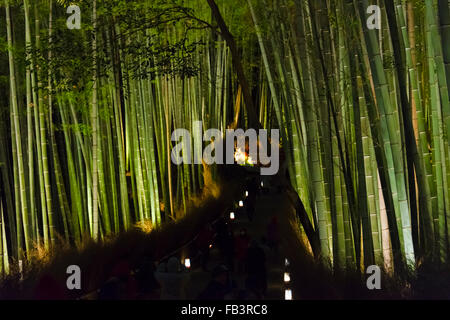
column 268, row 204
column 266, row 208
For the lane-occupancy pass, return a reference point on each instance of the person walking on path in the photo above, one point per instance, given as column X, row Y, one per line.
column 149, row 288
column 172, row 280
column 273, row 235
column 241, row 243
column 123, row 271
column 219, row 286
column 203, row 243
column 225, row 243
column 256, row 268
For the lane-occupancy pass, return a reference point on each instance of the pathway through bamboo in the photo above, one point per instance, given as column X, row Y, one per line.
column 267, row 206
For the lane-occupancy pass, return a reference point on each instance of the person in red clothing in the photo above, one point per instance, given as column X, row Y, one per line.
column 122, row 271
column 241, row 243
column 48, row 288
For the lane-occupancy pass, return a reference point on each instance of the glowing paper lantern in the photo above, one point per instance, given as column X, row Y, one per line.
column 288, row 294
column 287, row 277
column 241, row 203
column 231, row 215
column 187, row 263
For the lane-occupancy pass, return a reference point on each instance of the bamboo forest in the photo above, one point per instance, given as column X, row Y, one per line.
column 346, row 101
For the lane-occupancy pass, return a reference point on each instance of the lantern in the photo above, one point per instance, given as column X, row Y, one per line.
column 288, row 294
column 287, row 277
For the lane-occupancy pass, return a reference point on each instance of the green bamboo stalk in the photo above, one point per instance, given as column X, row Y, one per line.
column 6, row 180
column 30, row 123
column 15, row 115
column 47, row 209
column 94, row 119
column 4, row 247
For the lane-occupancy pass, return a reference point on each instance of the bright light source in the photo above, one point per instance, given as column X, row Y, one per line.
column 241, row 203
column 288, row 294
column 239, row 156
column 287, row 277
column 246, row 193
column 286, row 262
column 210, row 246
column 231, row 215
column 187, row 263
column 262, row 184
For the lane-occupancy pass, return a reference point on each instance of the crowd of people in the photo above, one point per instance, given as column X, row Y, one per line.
column 240, row 257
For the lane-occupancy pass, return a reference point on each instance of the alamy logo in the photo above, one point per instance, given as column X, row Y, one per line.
column 74, row 280
column 214, row 152
column 374, row 280
column 374, row 20
column 74, row 21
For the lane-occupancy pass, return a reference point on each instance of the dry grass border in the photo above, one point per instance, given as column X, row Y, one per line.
column 96, row 259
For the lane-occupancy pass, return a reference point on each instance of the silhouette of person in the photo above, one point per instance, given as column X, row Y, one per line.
column 256, row 268
column 219, row 286
column 172, row 280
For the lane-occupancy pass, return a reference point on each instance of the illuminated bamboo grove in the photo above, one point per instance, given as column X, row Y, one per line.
column 89, row 156
column 87, row 116
column 366, row 113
